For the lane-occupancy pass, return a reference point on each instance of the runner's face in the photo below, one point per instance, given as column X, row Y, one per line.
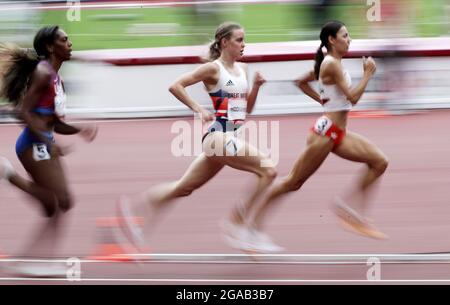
column 62, row 47
column 342, row 40
column 235, row 45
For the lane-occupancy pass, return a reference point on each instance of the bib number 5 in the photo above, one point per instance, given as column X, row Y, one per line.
column 40, row 152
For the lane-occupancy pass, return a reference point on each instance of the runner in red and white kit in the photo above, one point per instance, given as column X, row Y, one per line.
column 226, row 81
column 329, row 133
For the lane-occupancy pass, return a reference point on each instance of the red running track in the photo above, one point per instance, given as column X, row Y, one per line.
column 412, row 203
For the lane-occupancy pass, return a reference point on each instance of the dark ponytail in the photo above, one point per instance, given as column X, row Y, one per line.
column 318, row 61
column 17, row 64
column 329, row 29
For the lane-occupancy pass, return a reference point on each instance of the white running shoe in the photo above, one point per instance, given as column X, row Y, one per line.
column 6, row 169
column 242, row 237
column 236, row 235
column 132, row 231
column 27, row 269
column 262, row 243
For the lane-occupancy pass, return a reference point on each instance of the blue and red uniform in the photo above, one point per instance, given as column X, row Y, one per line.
column 51, row 103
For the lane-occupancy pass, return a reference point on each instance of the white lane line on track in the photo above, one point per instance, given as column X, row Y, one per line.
column 224, row 280
column 217, row 258
column 248, row 262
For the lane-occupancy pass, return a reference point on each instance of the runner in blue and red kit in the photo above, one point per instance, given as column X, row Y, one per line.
column 30, row 81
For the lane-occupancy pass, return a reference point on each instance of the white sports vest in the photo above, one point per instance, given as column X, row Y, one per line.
column 333, row 98
column 229, row 96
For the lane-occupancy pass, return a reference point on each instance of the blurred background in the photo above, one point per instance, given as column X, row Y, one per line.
column 137, row 24
column 127, row 53
column 104, row 28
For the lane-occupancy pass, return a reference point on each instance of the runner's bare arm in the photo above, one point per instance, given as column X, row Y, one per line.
column 258, row 81
column 64, row 128
column 352, row 94
column 303, row 83
column 207, row 73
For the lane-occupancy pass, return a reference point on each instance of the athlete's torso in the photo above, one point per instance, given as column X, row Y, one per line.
column 229, row 95
column 334, row 101
column 52, row 101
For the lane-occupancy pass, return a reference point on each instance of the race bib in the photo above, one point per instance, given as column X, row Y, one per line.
column 322, row 125
column 237, row 109
column 40, row 152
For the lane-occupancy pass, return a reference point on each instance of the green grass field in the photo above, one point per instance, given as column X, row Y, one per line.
column 173, row 26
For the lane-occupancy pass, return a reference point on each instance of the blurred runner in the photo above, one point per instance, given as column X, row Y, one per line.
column 329, row 133
column 226, row 81
column 30, row 81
